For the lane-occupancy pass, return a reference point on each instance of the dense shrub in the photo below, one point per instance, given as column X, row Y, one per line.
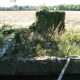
column 47, row 21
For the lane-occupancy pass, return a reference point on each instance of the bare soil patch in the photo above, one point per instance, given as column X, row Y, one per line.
column 17, row 17
column 28, row 17
column 72, row 18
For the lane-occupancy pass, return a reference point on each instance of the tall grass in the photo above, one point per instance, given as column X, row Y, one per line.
column 69, row 42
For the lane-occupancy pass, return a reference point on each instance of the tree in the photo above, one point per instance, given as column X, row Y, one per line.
column 78, row 8
column 3, row 8
column 73, row 7
column 20, row 8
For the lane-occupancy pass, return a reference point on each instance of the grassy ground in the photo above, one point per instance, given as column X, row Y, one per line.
column 70, row 42
column 34, row 45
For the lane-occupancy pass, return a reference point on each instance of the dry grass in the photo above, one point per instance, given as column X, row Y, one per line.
column 27, row 17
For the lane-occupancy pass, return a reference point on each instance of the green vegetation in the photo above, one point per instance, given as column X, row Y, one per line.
column 33, row 44
column 5, row 33
column 57, row 7
column 7, row 29
column 47, row 21
column 1, row 37
column 43, row 8
column 69, row 44
column 45, row 37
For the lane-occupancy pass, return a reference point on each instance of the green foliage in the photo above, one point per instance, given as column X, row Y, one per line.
column 69, row 44
column 1, row 37
column 7, row 29
column 46, row 20
column 6, row 26
column 57, row 7
column 22, row 37
column 33, row 44
column 72, row 38
column 17, row 36
column 68, row 7
column 43, row 8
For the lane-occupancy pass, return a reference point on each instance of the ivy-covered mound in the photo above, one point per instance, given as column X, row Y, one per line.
column 46, row 20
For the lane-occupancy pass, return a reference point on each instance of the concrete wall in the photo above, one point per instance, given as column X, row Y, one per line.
column 6, row 47
column 47, row 66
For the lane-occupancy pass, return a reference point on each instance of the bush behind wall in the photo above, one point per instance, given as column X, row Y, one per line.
column 45, row 20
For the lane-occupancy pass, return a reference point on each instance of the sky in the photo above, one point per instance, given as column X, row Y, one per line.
column 7, row 3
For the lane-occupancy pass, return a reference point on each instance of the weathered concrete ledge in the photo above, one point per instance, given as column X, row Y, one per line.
column 38, row 65
column 7, row 44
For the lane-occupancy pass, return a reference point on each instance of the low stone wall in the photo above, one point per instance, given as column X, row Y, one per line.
column 38, row 66
column 74, row 66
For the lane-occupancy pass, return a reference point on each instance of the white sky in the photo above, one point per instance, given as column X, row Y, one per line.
column 6, row 3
